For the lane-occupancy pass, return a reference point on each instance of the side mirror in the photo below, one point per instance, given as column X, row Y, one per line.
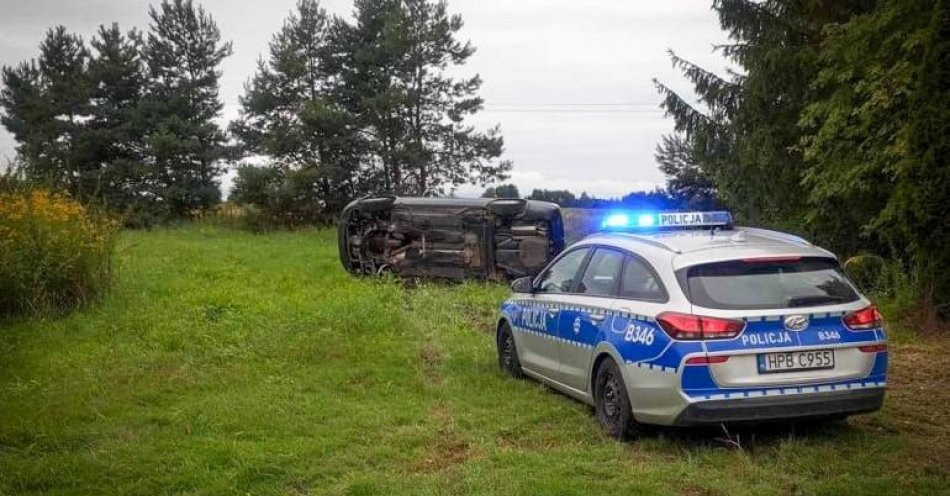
column 523, row 285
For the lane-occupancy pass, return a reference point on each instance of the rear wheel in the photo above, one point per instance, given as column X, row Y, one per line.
column 377, row 203
column 612, row 403
column 508, row 352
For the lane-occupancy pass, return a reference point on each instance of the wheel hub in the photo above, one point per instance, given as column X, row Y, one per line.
column 610, row 399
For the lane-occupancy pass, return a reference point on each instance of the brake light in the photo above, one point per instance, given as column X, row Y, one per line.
column 695, row 327
column 772, row 259
column 873, row 348
column 707, row 360
column 864, row 319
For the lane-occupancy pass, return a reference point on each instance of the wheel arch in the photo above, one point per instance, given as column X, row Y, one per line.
column 603, row 352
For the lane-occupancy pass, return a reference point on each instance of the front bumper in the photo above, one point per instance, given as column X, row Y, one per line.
column 770, row 408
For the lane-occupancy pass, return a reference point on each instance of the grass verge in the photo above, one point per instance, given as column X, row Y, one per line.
column 225, row 362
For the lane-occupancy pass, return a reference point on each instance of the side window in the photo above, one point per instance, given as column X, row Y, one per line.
column 639, row 282
column 560, row 277
column 602, row 273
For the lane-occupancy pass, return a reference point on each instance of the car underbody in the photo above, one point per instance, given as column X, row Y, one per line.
column 447, row 238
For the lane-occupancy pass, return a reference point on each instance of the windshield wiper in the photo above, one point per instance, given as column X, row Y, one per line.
column 806, row 301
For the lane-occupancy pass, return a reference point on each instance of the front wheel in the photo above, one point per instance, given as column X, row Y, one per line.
column 508, row 352
column 612, row 403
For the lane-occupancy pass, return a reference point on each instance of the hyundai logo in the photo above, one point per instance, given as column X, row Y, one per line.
column 796, row 322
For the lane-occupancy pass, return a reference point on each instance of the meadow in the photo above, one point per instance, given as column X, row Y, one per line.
column 225, row 362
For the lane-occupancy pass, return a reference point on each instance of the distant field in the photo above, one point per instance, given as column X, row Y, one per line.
column 231, row 363
column 579, row 222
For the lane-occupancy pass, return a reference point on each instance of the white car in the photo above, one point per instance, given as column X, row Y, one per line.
column 685, row 319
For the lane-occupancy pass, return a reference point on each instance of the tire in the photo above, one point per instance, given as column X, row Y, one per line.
column 611, row 403
column 376, row 203
column 507, row 207
column 508, row 352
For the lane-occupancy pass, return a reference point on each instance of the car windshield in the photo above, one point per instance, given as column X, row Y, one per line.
column 755, row 284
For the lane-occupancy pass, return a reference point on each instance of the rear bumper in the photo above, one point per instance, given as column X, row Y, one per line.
column 791, row 407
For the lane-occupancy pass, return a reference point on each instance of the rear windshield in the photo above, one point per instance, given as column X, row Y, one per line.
column 737, row 284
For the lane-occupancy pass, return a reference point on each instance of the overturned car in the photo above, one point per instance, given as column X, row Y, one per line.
column 449, row 238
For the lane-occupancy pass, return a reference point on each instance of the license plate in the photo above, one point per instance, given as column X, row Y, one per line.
column 792, row 361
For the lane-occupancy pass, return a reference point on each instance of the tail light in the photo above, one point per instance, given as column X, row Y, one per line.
column 873, row 348
column 864, row 319
column 690, row 327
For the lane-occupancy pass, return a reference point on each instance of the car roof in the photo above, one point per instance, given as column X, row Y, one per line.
column 691, row 247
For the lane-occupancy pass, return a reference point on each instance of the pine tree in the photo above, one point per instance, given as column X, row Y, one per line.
column 63, row 64
column 186, row 146
column 45, row 105
column 288, row 114
column 393, row 62
column 115, row 130
column 28, row 117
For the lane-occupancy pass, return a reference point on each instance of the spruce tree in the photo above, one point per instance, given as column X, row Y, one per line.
column 186, row 147
column 745, row 136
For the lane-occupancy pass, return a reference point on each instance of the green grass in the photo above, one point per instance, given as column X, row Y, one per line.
column 224, row 362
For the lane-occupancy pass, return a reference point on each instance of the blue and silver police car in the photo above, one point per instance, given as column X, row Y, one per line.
column 684, row 319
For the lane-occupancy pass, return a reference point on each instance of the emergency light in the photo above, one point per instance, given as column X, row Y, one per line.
column 633, row 221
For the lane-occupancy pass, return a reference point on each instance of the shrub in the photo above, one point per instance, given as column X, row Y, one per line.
column 279, row 198
column 55, row 253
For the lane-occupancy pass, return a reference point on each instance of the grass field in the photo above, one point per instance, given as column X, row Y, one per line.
column 230, row 363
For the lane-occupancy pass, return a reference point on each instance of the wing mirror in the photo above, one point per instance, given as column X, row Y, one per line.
column 523, row 285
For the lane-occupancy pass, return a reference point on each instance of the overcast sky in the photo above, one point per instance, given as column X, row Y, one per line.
column 568, row 81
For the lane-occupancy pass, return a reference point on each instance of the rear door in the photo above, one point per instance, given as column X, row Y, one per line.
column 540, row 313
column 793, row 309
column 585, row 316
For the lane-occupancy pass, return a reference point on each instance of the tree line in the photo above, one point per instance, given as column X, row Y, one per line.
column 655, row 200
column 127, row 119
column 835, row 124
column 338, row 108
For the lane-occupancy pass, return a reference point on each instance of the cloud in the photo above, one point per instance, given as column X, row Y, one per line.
column 533, row 55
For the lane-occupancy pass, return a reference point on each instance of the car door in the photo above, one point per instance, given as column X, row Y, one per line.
column 640, row 298
column 540, row 313
column 586, row 317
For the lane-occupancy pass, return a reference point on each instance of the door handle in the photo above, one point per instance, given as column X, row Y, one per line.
column 597, row 317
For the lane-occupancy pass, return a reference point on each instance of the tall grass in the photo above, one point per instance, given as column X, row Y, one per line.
column 55, row 253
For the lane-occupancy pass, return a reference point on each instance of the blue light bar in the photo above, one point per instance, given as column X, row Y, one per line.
column 623, row 221
column 616, row 220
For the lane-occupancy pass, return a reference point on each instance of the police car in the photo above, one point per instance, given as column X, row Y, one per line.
column 684, row 319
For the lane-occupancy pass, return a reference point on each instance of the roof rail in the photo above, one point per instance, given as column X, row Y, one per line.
column 777, row 235
column 641, row 239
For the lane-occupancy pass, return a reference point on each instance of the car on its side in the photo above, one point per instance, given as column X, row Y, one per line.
column 449, row 238
column 684, row 319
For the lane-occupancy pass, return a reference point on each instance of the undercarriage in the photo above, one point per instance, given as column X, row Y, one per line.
column 493, row 239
